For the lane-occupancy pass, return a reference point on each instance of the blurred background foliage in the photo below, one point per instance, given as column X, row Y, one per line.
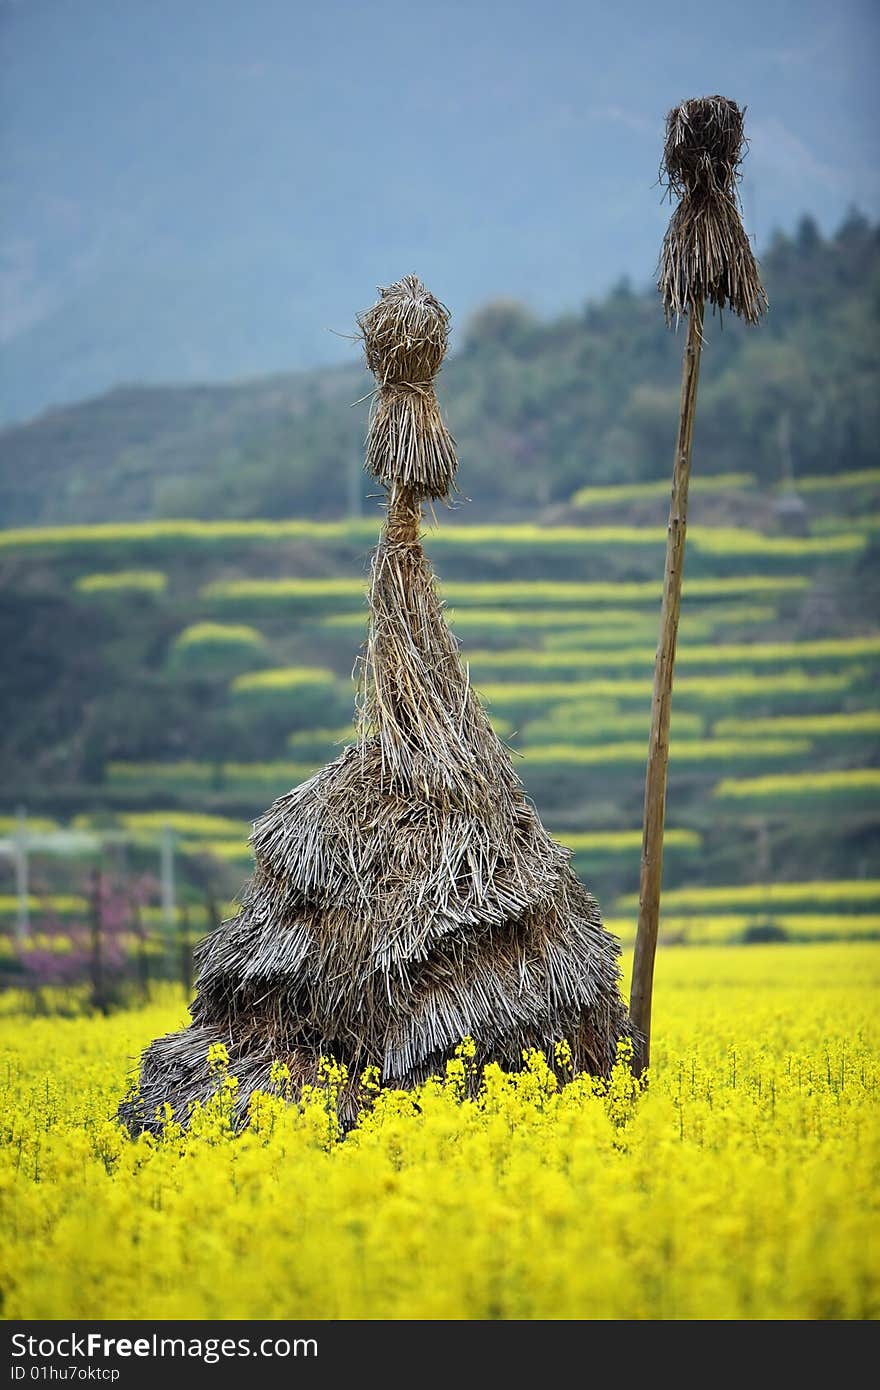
column 172, row 670
column 539, row 408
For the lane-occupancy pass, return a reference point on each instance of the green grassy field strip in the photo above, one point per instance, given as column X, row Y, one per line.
column 736, row 928
column 321, row 738
column 282, row 678
column 152, row 823
column 718, row 925
column 527, row 659
column 595, row 844
column 533, row 536
column 695, row 927
column 718, row 541
column 33, row 825
column 205, row 774
column 722, row 929
column 623, row 841
column 64, row 904
column 53, row 943
column 834, row 482
column 321, row 741
column 188, row 531
column 685, row 751
column 699, row 623
column 850, row 724
column 622, row 622
column 56, row 943
column 694, row 750
column 75, row 905
column 540, row 618
column 731, row 541
column 866, row 524
column 123, row 581
column 732, row 613
column 801, row 785
column 636, row 492
column 230, row 851
column 275, row 591
column 207, row 532
column 219, row 635
column 547, row 592
column 564, row 635
column 838, row 892
column 715, row 654
column 805, row 926
column 567, row 627
column 560, row 727
column 703, row 689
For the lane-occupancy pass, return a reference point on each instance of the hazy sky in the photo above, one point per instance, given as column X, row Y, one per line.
column 200, row 189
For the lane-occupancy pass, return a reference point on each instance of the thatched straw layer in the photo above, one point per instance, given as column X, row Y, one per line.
column 706, row 253
column 407, row 895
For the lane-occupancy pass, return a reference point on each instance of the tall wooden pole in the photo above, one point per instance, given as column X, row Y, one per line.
column 661, row 707
column 706, row 256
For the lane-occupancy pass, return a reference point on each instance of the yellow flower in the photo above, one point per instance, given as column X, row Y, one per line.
column 218, row 1057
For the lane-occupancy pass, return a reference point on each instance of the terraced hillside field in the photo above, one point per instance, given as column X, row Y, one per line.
column 182, row 674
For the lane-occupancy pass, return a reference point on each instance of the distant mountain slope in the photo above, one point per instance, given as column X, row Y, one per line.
column 199, row 191
column 538, row 408
column 127, row 454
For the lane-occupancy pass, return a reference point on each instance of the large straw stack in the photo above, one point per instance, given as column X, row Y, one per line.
column 407, row 895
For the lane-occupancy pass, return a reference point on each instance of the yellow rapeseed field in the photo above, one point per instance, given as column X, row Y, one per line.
column 742, row 1185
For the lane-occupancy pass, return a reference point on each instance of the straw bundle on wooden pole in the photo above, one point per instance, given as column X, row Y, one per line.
column 706, row 256
column 407, row 896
